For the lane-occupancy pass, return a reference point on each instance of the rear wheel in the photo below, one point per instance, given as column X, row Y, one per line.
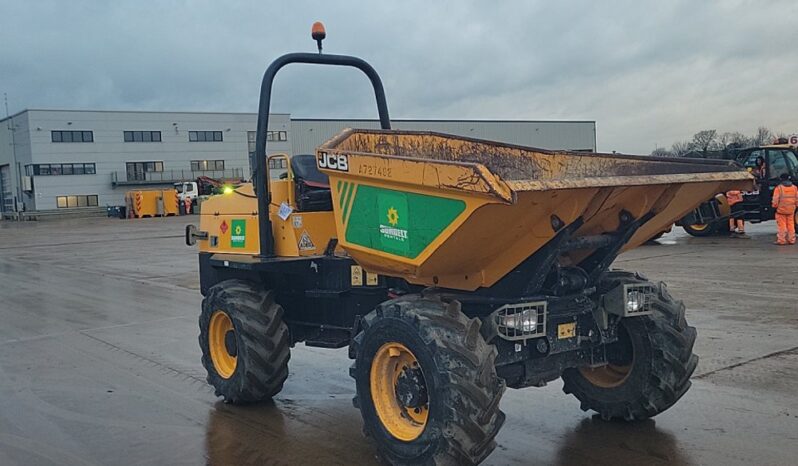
column 244, row 341
column 700, row 229
column 648, row 368
column 426, row 384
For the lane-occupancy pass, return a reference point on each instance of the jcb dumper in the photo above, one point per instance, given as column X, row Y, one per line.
column 452, row 268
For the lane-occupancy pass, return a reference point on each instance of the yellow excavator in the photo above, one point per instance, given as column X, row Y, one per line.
column 452, row 268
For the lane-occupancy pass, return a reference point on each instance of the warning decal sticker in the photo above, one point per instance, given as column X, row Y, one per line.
column 305, row 243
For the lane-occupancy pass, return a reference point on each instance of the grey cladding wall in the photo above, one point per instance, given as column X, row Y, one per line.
column 307, row 134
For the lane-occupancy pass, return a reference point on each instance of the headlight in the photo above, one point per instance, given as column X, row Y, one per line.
column 520, row 321
column 635, row 301
column 525, row 321
column 630, row 299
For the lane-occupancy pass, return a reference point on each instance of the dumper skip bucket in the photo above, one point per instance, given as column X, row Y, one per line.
column 461, row 213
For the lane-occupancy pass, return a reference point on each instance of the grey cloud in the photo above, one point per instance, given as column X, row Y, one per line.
column 648, row 72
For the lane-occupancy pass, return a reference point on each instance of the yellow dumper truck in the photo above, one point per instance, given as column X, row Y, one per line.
column 451, row 268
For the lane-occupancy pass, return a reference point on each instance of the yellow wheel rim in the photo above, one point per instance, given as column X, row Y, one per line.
column 402, row 411
column 699, row 226
column 608, row 376
column 618, row 367
column 222, row 343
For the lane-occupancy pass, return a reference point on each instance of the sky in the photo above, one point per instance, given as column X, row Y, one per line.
column 648, row 73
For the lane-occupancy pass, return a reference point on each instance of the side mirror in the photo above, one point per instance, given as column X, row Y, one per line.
column 193, row 234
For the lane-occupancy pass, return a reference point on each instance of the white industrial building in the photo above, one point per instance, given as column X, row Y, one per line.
column 77, row 159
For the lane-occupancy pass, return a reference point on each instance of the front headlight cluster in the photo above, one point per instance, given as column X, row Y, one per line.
column 637, row 299
column 521, row 321
column 525, row 321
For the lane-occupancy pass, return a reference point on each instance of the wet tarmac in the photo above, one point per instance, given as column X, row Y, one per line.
column 99, row 363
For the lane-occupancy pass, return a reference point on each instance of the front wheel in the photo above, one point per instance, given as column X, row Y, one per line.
column 648, row 368
column 426, row 384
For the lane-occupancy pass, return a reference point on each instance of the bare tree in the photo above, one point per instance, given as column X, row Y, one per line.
column 729, row 142
column 679, row 148
column 705, row 140
column 763, row 136
column 661, row 152
column 738, row 139
column 710, row 140
column 724, row 139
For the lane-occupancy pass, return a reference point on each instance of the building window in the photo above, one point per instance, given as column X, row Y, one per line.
column 206, row 165
column 205, row 136
column 137, row 171
column 277, row 167
column 80, row 200
column 251, row 140
column 142, row 136
column 270, row 136
column 276, row 136
column 278, row 163
column 48, row 169
column 72, row 136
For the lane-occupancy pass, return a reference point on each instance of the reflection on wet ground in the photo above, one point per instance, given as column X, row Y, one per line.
column 642, row 438
column 99, row 364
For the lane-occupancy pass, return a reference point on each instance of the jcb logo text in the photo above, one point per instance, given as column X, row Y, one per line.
column 334, row 161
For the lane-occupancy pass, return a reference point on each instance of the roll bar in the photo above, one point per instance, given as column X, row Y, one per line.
column 261, row 175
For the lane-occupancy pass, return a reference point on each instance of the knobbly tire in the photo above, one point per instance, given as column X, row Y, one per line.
column 659, row 369
column 457, row 380
column 248, row 361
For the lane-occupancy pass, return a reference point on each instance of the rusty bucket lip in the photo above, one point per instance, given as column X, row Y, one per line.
column 717, row 170
column 625, row 181
column 332, row 143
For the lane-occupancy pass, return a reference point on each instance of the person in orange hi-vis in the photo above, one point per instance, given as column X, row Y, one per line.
column 785, row 199
column 737, row 217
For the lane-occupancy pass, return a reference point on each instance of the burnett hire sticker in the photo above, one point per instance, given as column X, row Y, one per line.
column 393, row 222
column 238, row 233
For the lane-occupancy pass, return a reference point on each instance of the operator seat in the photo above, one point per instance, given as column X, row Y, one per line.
column 312, row 187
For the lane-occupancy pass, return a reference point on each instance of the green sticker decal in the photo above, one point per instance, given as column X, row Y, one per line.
column 238, row 233
column 398, row 222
